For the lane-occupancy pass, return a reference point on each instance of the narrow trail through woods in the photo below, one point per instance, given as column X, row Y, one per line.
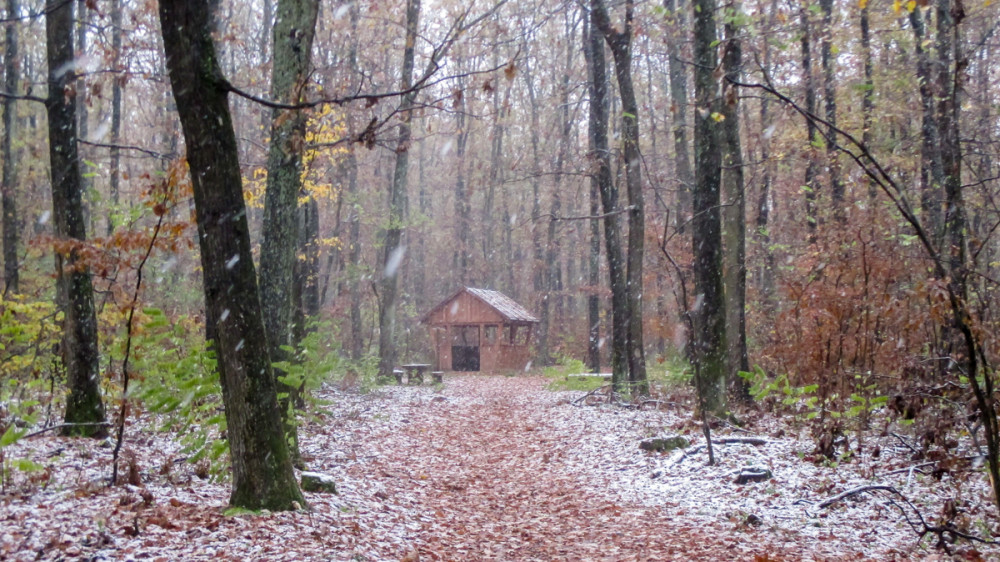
column 487, row 468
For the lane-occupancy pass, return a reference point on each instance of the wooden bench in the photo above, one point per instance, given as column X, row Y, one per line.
column 398, row 373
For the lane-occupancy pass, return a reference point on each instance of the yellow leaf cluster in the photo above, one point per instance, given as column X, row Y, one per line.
column 254, row 188
column 324, row 128
column 332, row 242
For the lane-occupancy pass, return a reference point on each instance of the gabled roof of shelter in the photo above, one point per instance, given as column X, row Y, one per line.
column 510, row 310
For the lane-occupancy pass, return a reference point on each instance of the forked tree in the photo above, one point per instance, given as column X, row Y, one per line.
column 262, row 467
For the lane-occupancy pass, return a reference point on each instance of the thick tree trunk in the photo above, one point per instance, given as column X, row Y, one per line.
column 80, row 351
column 949, row 85
column 293, row 37
column 262, row 467
column 8, row 193
column 735, row 213
column 931, row 166
column 392, row 246
column 601, row 162
column 620, row 43
column 709, row 308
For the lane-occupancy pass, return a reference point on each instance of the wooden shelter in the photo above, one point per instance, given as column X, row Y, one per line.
column 480, row 330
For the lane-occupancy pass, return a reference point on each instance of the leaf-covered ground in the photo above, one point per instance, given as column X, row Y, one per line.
column 490, row 468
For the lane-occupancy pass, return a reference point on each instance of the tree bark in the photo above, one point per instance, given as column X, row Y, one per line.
column 810, row 184
column 539, row 267
column 931, row 166
column 8, row 193
column 829, row 63
column 868, row 98
column 678, row 112
column 709, row 307
column 262, row 467
column 766, row 267
column 293, row 36
column 354, row 212
column 82, row 21
column 393, row 246
column 594, row 251
column 620, row 43
column 117, row 79
column 601, row 162
column 735, row 213
column 462, row 259
column 80, row 351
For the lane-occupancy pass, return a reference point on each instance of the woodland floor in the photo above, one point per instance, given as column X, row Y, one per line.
column 489, row 468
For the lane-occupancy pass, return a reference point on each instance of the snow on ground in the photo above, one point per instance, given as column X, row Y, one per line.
column 488, row 468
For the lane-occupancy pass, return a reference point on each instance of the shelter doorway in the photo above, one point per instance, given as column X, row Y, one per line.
column 465, row 348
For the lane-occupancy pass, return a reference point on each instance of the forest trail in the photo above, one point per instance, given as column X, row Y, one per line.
column 486, row 470
column 480, row 469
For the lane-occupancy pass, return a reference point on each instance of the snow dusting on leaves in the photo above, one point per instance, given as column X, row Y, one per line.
column 485, row 468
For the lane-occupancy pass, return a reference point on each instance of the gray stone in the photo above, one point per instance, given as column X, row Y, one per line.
column 664, row 444
column 316, row 482
column 748, row 475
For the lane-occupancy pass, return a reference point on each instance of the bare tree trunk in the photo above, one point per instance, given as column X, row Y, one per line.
column 949, row 84
column 829, row 63
column 293, row 37
column 594, row 255
column 463, row 205
column 620, row 43
column 117, row 79
column 393, row 246
column 539, row 267
column 601, row 159
column 868, row 98
column 80, row 351
column 931, row 165
column 735, row 214
column 8, row 193
column 709, row 339
column 678, row 112
column 262, row 467
column 810, row 184
column 82, row 20
column 357, row 349
column 767, row 266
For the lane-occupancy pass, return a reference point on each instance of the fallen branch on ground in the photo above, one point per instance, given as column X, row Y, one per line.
column 719, row 441
column 920, row 526
column 605, row 387
column 62, row 425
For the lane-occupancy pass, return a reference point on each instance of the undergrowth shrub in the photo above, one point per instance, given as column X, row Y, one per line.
column 856, row 336
column 30, row 372
column 313, row 362
column 175, row 377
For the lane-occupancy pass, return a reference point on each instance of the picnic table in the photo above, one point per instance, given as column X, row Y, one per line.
column 415, row 372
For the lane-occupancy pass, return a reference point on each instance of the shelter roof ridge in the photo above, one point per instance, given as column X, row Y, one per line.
column 504, row 305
